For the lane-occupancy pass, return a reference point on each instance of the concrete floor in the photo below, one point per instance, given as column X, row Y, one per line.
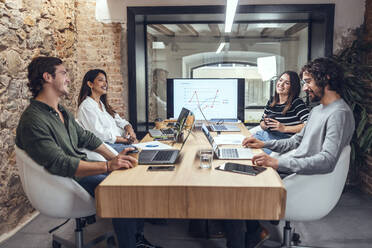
column 347, row 226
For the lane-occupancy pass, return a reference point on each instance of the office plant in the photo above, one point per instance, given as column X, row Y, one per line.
column 357, row 93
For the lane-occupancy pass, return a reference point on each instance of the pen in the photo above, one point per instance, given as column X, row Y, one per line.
column 152, row 145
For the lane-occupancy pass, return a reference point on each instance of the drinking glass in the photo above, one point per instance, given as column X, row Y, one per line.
column 206, row 158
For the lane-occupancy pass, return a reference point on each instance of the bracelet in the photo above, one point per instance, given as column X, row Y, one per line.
column 107, row 167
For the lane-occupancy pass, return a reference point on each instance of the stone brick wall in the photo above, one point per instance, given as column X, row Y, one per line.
column 366, row 174
column 27, row 28
column 66, row 29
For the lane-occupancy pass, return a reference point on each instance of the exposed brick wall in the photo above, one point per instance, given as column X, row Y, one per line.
column 27, row 29
column 99, row 46
column 66, row 29
column 366, row 173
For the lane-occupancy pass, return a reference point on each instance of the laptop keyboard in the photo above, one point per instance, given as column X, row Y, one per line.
column 163, row 156
column 167, row 131
column 219, row 127
column 229, row 153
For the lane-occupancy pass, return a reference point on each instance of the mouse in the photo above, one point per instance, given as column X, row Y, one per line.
column 133, row 151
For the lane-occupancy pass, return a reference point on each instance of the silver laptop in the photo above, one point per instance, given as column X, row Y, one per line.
column 170, row 132
column 227, row 153
column 168, row 156
column 220, row 127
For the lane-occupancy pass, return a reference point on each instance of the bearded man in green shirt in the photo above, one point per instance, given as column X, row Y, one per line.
column 49, row 134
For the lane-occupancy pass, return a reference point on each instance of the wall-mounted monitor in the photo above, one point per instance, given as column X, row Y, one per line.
column 218, row 98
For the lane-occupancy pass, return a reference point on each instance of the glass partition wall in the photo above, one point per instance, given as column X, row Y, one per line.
column 189, row 44
column 256, row 52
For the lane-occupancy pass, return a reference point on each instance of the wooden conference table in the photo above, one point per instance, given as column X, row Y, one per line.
column 189, row 192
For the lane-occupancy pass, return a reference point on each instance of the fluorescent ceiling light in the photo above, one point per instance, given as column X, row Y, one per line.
column 222, row 44
column 158, row 45
column 230, row 14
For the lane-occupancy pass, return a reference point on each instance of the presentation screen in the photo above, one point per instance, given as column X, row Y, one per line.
column 216, row 98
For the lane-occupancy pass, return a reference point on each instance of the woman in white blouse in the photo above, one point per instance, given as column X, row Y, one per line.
column 97, row 116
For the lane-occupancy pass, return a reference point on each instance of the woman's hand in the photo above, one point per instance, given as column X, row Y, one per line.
column 123, row 140
column 263, row 125
column 275, row 125
column 130, row 134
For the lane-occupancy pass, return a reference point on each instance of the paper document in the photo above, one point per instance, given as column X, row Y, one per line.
column 152, row 145
column 229, row 139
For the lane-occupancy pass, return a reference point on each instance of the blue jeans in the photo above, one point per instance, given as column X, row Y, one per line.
column 268, row 135
column 119, row 146
column 126, row 229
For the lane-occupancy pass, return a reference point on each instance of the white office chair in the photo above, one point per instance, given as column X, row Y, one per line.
column 255, row 129
column 58, row 197
column 312, row 197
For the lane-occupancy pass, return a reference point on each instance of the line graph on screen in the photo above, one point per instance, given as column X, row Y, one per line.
column 215, row 98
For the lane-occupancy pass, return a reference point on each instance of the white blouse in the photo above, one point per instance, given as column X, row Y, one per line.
column 99, row 122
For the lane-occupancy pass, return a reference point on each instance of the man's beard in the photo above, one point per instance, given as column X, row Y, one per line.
column 317, row 97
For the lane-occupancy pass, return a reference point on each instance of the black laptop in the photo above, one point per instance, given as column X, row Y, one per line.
column 169, row 132
column 163, row 156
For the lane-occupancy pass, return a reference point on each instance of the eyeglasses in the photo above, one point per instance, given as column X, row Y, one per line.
column 306, row 81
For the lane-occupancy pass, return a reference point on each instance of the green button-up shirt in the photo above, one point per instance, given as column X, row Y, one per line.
column 52, row 143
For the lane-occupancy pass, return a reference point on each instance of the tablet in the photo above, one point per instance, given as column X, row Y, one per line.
column 241, row 168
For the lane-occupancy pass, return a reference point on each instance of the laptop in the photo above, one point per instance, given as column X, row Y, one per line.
column 169, row 132
column 220, row 127
column 227, row 153
column 165, row 156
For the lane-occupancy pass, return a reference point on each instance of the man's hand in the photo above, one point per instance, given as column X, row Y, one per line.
column 252, row 142
column 122, row 160
column 263, row 159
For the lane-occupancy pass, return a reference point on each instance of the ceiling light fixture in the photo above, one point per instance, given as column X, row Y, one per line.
column 219, row 49
column 230, row 14
column 158, row 45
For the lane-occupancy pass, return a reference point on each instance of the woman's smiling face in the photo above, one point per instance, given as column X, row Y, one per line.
column 99, row 85
column 283, row 85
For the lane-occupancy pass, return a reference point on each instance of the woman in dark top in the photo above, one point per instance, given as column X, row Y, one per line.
column 285, row 114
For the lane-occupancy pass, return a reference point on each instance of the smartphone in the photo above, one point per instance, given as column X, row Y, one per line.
column 161, row 168
column 242, row 168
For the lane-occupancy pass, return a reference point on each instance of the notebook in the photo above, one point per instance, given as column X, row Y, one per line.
column 220, row 127
column 169, row 132
column 227, row 153
column 163, row 156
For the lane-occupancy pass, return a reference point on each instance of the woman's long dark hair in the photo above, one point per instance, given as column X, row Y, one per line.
column 294, row 90
column 87, row 91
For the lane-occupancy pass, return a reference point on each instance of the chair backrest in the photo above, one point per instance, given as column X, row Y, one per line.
column 255, row 129
column 311, row 197
column 94, row 156
column 52, row 195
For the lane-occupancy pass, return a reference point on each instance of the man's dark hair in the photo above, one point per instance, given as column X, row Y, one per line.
column 36, row 69
column 325, row 72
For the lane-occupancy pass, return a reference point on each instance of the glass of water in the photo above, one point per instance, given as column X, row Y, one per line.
column 206, row 158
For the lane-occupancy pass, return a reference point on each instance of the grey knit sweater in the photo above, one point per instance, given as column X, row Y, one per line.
column 328, row 130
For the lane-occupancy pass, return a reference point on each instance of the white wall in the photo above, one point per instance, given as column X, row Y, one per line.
column 349, row 14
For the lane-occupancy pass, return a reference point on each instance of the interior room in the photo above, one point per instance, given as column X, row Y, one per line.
column 148, row 49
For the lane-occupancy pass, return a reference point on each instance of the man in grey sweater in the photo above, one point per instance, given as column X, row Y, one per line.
column 328, row 130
